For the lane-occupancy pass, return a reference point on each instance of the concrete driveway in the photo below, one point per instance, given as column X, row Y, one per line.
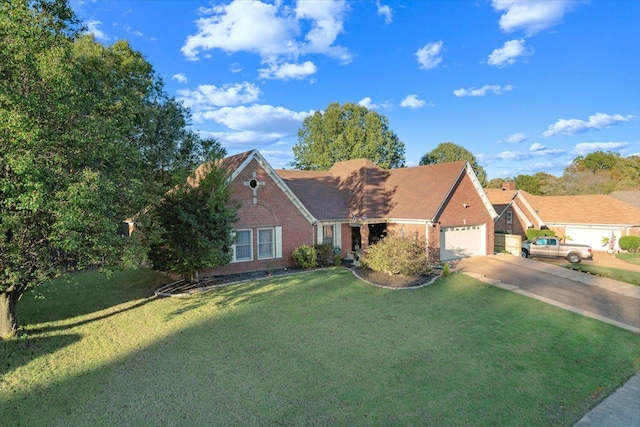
column 604, row 299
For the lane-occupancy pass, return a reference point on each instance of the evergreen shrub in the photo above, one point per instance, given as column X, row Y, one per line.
column 304, row 256
column 533, row 233
column 629, row 243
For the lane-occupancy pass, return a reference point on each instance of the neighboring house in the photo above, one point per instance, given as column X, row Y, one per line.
column 352, row 205
column 588, row 219
column 515, row 213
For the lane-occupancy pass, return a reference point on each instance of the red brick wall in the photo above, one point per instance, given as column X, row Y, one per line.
column 456, row 214
column 273, row 209
column 517, row 226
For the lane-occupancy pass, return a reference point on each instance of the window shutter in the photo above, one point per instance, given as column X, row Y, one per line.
column 337, row 235
column 278, row 242
column 320, row 229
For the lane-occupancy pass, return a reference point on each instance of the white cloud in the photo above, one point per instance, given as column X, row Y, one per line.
column 272, row 31
column 535, row 150
column 242, row 26
column 288, row 71
column 412, row 101
column 326, row 23
column 92, row 28
column 585, row 148
column 596, row 121
column 430, row 55
column 209, row 96
column 367, row 103
column 496, row 89
column 515, row 138
column 180, row 78
column 385, row 11
column 508, row 54
column 536, row 146
column 258, row 118
column 531, row 16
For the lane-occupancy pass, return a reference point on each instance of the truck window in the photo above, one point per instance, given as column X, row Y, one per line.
column 552, row 242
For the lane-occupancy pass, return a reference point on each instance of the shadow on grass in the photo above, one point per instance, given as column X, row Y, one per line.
column 250, row 292
column 20, row 351
column 48, row 329
column 86, row 292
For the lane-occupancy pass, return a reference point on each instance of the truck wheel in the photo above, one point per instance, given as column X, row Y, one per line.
column 524, row 253
column 574, row 258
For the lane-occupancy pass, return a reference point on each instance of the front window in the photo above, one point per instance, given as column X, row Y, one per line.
column 265, row 243
column 509, row 217
column 327, row 234
column 243, row 245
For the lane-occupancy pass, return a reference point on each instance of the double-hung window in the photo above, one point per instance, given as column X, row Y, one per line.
column 243, row 249
column 266, row 243
column 509, row 217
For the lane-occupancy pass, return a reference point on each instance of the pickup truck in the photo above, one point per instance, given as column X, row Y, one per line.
column 548, row 246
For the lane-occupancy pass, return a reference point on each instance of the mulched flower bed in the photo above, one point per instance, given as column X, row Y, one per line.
column 392, row 280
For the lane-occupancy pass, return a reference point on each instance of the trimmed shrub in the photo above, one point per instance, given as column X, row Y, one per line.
column 397, row 255
column 629, row 243
column 533, row 233
column 324, row 255
column 304, row 256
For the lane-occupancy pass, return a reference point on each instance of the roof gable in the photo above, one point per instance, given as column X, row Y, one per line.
column 237, row 163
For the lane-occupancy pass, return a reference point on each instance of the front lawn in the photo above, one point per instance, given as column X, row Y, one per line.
column 630, row 258
column 627, row 276
column 318, row 348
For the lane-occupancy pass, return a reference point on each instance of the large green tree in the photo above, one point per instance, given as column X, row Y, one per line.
column 195, row 223
column 88, row 138
column 449, row 152
column 346, row 132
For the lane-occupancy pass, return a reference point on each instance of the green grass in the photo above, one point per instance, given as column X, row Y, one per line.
column 319, row 348
column 630, row 258
column 632, row 277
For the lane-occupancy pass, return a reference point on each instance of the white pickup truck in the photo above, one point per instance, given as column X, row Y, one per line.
column 548, row 246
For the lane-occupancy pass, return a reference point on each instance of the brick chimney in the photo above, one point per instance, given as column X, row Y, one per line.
column 508, row 185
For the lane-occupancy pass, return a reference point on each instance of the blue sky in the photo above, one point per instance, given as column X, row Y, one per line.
column 526, row 86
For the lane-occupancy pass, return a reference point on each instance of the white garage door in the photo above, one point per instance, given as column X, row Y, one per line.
column 591, row 236
column 463, row 241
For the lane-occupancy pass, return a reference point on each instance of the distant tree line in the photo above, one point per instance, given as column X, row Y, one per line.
column 596, row 173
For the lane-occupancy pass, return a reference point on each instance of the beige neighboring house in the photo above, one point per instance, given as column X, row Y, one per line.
column 515, row 213
column 587, row 219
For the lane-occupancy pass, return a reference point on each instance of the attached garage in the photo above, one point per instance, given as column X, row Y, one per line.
column 462, row 241
column 592, row 235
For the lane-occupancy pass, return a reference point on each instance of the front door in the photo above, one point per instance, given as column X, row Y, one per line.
column 356, row 242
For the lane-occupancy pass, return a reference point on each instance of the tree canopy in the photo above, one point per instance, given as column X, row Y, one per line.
column 449, row 152
column 88, row 137
column 193, row 224
column 346, row 132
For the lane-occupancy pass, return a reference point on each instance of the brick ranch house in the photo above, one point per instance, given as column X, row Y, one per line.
column 351, row 206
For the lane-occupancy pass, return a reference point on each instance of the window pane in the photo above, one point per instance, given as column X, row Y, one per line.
column 243, row 245
column 327, row 234
column 265, row 243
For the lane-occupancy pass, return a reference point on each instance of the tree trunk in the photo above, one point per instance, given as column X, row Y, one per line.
column 8, row 314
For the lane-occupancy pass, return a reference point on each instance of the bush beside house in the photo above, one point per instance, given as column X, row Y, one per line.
column 629, row 243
